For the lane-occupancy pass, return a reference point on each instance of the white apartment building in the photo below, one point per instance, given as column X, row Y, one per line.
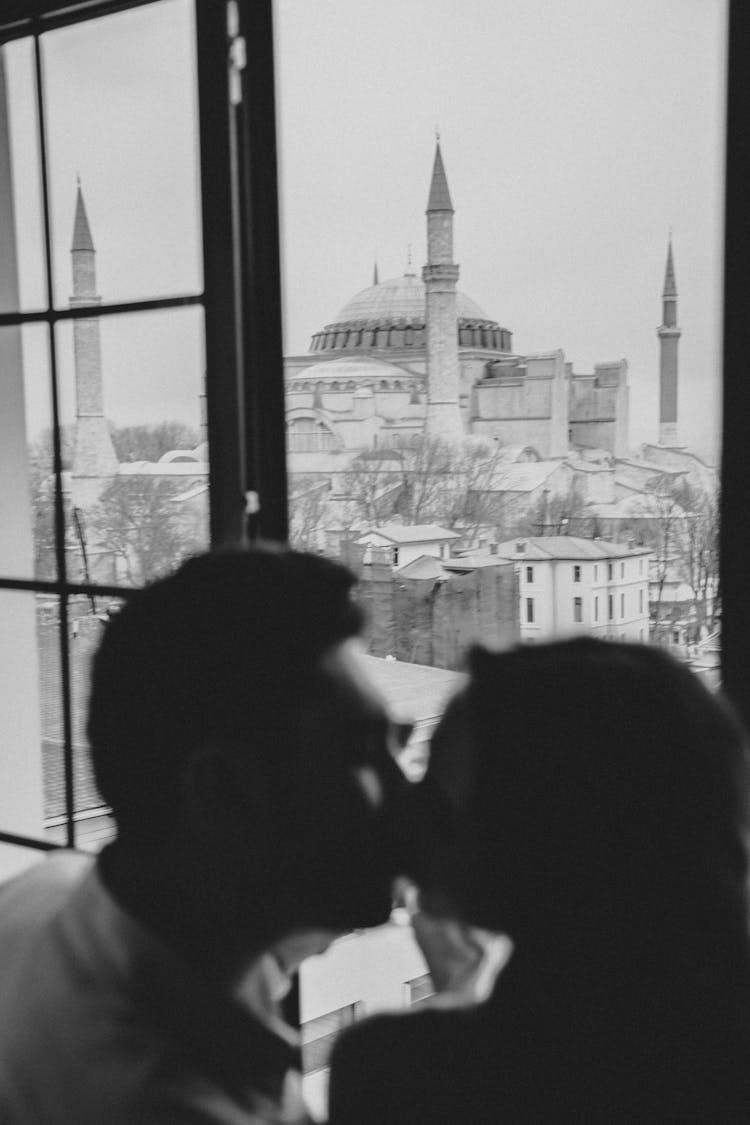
column 407, row 543
column 570, row 586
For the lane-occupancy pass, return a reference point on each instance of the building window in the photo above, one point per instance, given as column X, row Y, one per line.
column 610, row 607
column 640, row 566
column 529, row 574
column 578, row 609
column 576, row 574
column 530, row 610
column 395, row 556
column 640, row 600
column 622, row 570
column 420, row 989
column 596, row 609
column 622, row 606
column 609, row 571
column 318, row 1036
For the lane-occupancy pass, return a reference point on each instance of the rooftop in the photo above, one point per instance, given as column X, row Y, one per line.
column 541, row 547
column 414, row 533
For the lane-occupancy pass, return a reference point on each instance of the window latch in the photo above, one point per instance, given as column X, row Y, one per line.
column 237, row 53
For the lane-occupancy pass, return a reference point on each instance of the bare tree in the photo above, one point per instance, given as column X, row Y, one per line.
column 308, row 502
column 700, row 548
column 663, row 523
column 374, row 485
column 139, row 520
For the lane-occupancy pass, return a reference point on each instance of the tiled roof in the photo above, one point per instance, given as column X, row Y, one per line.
column 541, row 547
column 414, row 533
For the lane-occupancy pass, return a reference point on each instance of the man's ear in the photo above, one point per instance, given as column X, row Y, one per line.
column 225, row 794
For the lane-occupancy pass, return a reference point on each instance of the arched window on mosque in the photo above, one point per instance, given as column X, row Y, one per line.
column 309, row 435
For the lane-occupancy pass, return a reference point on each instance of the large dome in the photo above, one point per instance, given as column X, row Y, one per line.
column 391, row 315
column 400, row 298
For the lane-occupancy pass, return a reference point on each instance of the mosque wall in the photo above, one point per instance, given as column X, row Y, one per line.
column 517, row 431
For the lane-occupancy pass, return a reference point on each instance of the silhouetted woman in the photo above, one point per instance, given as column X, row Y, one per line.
column 599, row 796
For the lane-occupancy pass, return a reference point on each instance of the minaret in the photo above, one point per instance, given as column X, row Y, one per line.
column 94, row 461
column 668, row 334
column 441, row 314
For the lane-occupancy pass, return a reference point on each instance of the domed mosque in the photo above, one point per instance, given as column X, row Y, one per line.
column 414, row 355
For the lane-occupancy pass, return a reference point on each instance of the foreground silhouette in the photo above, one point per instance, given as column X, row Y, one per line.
column 599, row 794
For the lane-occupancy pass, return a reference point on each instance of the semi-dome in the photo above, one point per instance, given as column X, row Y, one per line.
column 352, row 372
column 391, row 314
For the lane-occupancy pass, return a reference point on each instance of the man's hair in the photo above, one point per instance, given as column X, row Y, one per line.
column 223, row 650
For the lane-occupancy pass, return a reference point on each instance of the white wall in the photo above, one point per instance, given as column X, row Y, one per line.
column 20, row 735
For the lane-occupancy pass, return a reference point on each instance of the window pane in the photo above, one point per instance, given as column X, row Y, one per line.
column 26, row 463
column 133, row 405
column 120, row 101
column 25, row 695
column 87, row 618
column 22, row 272
column 457, row 433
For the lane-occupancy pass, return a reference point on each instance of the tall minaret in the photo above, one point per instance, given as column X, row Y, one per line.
column 440, row 277
column 94, row 461
column 668, row 334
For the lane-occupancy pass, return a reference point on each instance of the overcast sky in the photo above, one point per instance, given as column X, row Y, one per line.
column 574, row 135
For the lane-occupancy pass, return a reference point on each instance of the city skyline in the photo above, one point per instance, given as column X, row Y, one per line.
column 573, row 139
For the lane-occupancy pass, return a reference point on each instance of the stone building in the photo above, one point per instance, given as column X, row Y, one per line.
column 414, row 355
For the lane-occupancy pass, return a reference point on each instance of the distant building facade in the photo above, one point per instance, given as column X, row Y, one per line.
column 568, row 586
column 413, row 355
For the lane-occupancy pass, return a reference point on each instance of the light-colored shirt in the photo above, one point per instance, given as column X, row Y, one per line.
column 101, row 1024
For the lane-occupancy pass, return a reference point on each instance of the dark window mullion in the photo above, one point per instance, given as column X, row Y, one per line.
column 265, row 409
column 117, row 308
column 222, row 300
column 61, row 562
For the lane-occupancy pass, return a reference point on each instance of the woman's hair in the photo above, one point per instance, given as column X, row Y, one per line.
column 610, row 789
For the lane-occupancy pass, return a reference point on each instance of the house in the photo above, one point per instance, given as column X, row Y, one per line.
column 569, row 585
column 406, row 543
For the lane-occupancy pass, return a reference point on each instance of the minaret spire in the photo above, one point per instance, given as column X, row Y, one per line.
column 441, row 310
column 669, row 335
column 94, row 460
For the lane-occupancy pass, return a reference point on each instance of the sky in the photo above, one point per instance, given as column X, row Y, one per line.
column 574, row 134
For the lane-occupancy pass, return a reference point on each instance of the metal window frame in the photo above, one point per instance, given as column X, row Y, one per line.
column 241, row 299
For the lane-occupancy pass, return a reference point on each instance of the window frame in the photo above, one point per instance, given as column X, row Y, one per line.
column 240, row 242
column 240, row 219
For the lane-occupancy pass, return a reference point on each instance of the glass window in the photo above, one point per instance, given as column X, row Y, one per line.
column 596, row 608
column 578, row 609
column 622, row 605
column 529, row 574
column 107, row 379
column 576, row 574
column 530, row 610
column 610, row 607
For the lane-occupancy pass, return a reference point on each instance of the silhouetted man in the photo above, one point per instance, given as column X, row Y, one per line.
column 248, row 762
